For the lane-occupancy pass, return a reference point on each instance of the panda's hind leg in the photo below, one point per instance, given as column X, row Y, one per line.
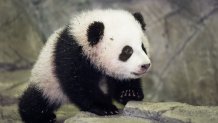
column 35, row 108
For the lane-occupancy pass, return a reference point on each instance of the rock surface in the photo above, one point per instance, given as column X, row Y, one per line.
column 144, row 112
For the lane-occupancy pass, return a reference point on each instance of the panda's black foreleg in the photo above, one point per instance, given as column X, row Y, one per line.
column 102, row 104
column 89, row 97
column 35, row 108
column 127, row 90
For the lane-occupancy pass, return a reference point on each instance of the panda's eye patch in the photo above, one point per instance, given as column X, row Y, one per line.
column 126, row 53
column 143, row 48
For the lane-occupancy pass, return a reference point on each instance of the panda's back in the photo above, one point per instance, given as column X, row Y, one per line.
column 62, row 63
column 43, row 74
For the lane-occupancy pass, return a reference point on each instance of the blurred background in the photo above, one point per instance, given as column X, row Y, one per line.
column 183, row 36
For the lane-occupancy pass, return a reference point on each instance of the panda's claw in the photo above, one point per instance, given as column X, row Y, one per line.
column 105, row 112
column 133, row 93
column 125, row 93
column 130, row 94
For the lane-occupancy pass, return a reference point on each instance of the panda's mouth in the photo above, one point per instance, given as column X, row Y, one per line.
column 138, row 74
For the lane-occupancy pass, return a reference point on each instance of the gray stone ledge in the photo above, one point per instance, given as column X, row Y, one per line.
column 146, row 112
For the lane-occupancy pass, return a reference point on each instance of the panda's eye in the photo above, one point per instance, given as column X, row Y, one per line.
column 143, row 48
column 126, row 53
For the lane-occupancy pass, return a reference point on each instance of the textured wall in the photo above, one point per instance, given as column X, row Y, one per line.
column 20, row 42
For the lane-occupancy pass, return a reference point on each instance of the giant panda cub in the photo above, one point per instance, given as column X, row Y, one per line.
column 99, row 56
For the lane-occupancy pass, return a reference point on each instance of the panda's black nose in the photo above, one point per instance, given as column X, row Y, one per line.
column 145, row 66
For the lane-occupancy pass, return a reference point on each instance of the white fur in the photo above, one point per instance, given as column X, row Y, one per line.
column 43, row 72
column 124, row 29
column 103, row 85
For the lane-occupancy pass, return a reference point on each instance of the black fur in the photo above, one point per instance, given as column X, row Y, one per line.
column 35, row 108
column 127, row 51
column 138, row 16
column 79, row 80
column 143, row 48
column 95, row 32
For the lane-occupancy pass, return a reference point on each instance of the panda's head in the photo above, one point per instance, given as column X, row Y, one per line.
column 114, row 41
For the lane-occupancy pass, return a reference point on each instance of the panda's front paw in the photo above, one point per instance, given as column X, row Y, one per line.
column 103, row 110
column 130, row 94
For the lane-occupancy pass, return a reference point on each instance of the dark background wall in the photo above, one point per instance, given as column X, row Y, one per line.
column 182, row 33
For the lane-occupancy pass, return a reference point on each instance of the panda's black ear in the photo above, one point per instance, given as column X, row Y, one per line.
column 138, row 16
column 95, row 32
